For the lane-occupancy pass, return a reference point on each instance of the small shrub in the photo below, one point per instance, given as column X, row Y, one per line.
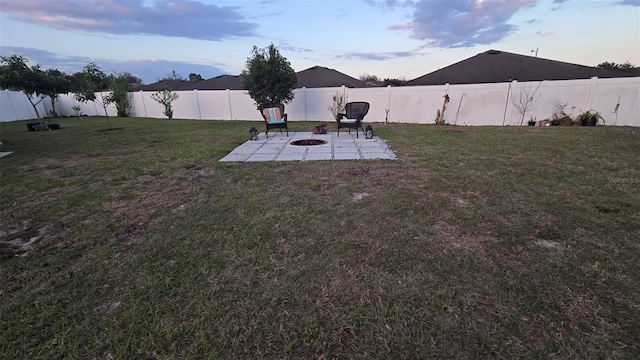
column 558, row 109
column 165, row 97
column 337, row 104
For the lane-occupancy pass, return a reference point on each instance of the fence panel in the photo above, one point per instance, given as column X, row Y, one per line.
column 480, row 104
column 472, row 104
column 552, row 96
column 214, row 105
column 297, row 109
column 378, row 99
column 187, row 105
column 14, row 105
column 611, row 92
column 243, row 107
column 8, row 111
column 65, row 104
column 318, row 101
column 415, row 104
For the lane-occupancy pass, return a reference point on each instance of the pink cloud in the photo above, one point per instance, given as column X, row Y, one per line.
column 407, row 25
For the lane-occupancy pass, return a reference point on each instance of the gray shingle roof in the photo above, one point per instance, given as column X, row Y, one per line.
column 318, row 76
column 313, row 77
column 172, row 85
column 222, row 82
column 495, row 66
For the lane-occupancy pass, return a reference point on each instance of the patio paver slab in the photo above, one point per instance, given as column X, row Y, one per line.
column 278, row 148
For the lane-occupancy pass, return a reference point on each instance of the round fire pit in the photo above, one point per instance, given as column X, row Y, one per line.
column 308, row 142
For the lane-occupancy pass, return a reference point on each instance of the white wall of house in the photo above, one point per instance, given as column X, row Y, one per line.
column 472, row 104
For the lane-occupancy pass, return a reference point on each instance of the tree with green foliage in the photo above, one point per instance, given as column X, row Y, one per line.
column 627, row 66
column 78, row 82
column 95, row 80
column 15, row 74
column 131, row 79
column 120, row 94
column 368, row 78
column 173, row 76
column 56, row 83
column 165, row 97
column 193, row 77
column 394, row 82
column 268, row 76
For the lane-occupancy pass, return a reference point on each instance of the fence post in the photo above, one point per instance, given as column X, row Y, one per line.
column 195, row 91
column 95, row 109
column 592, row 88
column 304, row 93
column 387, row 116
column 144, row 106
column 507, row 114
column 230, row 108
column 345, row 95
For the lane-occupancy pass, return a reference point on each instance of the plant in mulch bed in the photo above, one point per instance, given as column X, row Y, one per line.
column 589, row 118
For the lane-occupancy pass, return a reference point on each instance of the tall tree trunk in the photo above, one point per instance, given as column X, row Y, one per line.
column 35, row 105
column 104, row 106
column 53, row 106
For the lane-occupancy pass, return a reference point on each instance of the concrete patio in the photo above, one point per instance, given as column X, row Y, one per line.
column 278, row 147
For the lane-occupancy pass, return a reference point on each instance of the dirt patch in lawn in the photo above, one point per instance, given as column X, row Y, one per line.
column 451, row 237
column 55, row 167
column 173, row 193
column 18, row 237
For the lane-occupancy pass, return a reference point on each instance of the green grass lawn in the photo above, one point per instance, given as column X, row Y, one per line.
column 478, row 242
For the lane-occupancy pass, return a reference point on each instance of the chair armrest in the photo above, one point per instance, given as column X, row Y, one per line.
column 340, row 116
column 284, row 118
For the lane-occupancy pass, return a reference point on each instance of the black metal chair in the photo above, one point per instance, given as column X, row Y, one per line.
column 355, row 113
column 274, row 117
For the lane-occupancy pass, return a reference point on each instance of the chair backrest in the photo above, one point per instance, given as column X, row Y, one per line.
column 356, row 110
column 272, row 113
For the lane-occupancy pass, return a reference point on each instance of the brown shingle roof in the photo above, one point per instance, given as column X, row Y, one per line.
column 318, row 76
column 498, row 66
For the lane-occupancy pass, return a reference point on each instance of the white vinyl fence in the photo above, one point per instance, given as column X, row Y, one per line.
column 617, row 99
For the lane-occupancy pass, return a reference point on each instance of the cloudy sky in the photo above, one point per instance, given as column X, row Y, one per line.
column 386, row 38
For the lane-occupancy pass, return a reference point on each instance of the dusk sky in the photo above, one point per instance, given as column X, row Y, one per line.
column 386, row 38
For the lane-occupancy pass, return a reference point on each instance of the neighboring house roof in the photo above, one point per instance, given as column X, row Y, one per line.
column 222, row 82
column 318, row 76
column 495, row 66
column 172, row 85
